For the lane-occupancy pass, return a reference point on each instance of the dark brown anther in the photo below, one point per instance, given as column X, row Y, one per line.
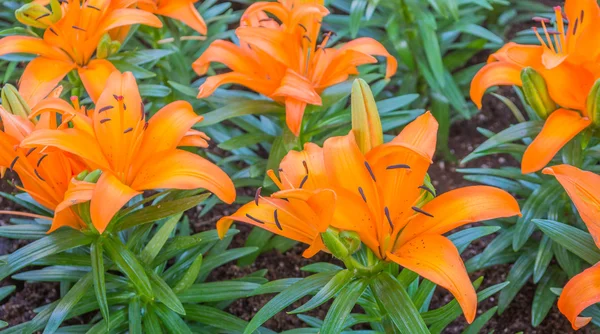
column 307, row 38
column 581, row 17
column 143, row 110
column 421, row 211
column 400, row 166
column 103, row 109
column 53, row 31
column 257, row 195
column 145, row 126
column 387, row 215
column 29, row 152
column 255, row 219
column 303, row 181
column 38, row 175
column 41, row 158
column 427, row 190
column 370, row 171
column 118, row 97
column 128, row 130
column 93, row 7
column 362, row 193
column 305, row 166
column 102, row 121
column 124, row 106
column 277, row 220
column 303, row 27
column 280, row 170
column 77, row 28
column 42, row 16
column 12, row 164
column 575, row 26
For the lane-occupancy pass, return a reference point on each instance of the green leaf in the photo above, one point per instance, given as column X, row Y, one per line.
column 395, row 300
column 6, row 290
column 217, row 291
column 343, row 304
column 164, row 293
column 501, row 242
column 572, row 238
column 158, row 211
column 544, row 298
column 287, row 297
column 30, row 206
column 245, row 140
column 117, row 318
column 517, row 276
column 135, row 317
column 56, row 242
column 129, row 265
column 151, row 321
column 24, row 232
column 66, row 303
column 321, row 267
column 236, row 109
column 97, row 256
column 213, row 261
column 276, row 286
column 337, row 283
column 542, row 259
column 190, row 276
column 462, row 239
column 159, row 239
column 172, row 322
column 481, row 320
column 147, row 90
column 217, row 318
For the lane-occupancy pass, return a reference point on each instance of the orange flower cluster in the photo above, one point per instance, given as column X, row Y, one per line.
column 379, row 195
column 568, row 60
column 133, row 154
column 280, row 57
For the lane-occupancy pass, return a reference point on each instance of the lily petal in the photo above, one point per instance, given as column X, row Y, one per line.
column 459, row 207
column 584, row 190
column 65, row 218
column 370, row 46
column 31, row 45
column 494, row 74
column 436, row 258
column 292, row 167
column 126, row 17
column 184, row 11
column 108, row 198
column 228, row 54
column 78, row 192
column 178, row 169
column 579, row 293
column 263, row 86
column 95, row 75
column 561, row 126
column 40, row 77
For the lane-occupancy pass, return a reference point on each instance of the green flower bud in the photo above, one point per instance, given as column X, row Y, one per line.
column 331, row 239
column 107, row 47
column 366, row 123
column 351, row 241
column 81, row 176
column 536, row 93
column 93, row 176
column 13, row 102
column 38, row 16
column 593, row 104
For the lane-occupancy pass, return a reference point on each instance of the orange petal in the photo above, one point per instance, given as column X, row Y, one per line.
column 294, row 114
column 228, row 54
column 420, row 135
column 321, row 202
column 177, row 169
column 292, row 166
column 74, row 141
column 108, row 198
column 517, row 54
column 561, row 126
column 436, row 258
column 194, row 138
column 94, row 76
column 370, row 46
column 40, row 77
column 65, row 218
column 314, row 248
column 257, row 84
column 15, row 126
column 298, row 87
column 31, row 45
column 494, row 74
column 78, row 192
column 184, row 11
column 579, row 293
column 126, row 17
column 584, row 189
column 275, row 42
column 459, row 207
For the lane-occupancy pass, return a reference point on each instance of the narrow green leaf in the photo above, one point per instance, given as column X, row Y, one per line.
column 462, row 239
column 339, row 281
column 536, row 206
column 544, row 298
column 395, row 300
column 172, row 322
column 159, row 239
column 343, row 304
column 218, row 319
column 572, row 238
column 164, row 293
column 151, row 322
column 518, row 275
column 25, row 231
column 97, row 256
column 190, row 276
column 481, row 320
column 117, row 318
column 66, row 303
column 217, row 291
column 236, row 109
column 135, row 316
column 129, row 265
column 542, row 259
column 6, row 290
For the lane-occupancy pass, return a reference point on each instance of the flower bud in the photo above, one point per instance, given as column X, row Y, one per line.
column 107, row 47
column 331, row 239
column 13, row 102
column 593, row 104
column 366, row 123
column 351, row 241
column 82, row 175
column 38, row 16
column 536, row 93
column 93, row 177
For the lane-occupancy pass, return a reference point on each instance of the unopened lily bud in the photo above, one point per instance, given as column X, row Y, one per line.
column 331, row 239
column 351, row 240
column 39, row 16
column 536, row 93
column 593, row 104
column 93, row 176
column 107, row 47
column 13, row 102
column 366, row 123
column 81, row 176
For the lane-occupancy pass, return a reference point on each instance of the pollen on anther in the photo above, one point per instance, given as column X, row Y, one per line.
column 370, row 171
column 277, row 220
column 128, row 130
column 305, row 166
column 12, row 164
column 38, row 175
column 103, row 109
column 362, row 194
column 303, row 181
column 387, row 215
column 399, row 166
column 257, row 195
column 78, row 28
column 102, row 121
column 41, row 159
column 427, row 189
column 419, row 210
column 29, row 152
column 255, row 219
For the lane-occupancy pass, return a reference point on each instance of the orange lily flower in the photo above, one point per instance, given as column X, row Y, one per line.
column 70, row 44
column 582, row 290
column 380, row 196
column 568, row 61
column 133, row 154
column 283, row 61
column 45, row 174
column 181, row 10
